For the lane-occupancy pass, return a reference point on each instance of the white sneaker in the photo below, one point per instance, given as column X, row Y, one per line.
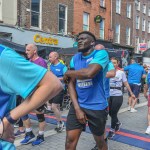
column 133, row 110
column 129, row 108
column 147, row 131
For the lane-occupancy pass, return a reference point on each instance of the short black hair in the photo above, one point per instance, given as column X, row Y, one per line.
column 89, row 33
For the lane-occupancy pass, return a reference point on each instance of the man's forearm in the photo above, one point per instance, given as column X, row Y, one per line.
column 73, row 94
column 128, row 87
column 48, row 87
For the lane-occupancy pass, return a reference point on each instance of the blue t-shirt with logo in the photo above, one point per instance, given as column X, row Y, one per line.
column 135, row 72
column 18, row 76
column 110, row 67
column 59, row 71
column 90, row 92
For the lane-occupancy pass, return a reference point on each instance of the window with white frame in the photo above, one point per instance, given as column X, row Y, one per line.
column 117, row 33
column 137, row 22
column 143, row 24
column 102, row 29
column 148, row 26
column 137, row 43
column 128, row 36
column 36, row 13
column 102, row 3
column 138, row 5
column 118, row 6
column 144, row 8
column 128, row 10
column 85, row 21
column 149, row 11
column 62, row 19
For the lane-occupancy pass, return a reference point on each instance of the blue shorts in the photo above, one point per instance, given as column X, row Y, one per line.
column 135, row 89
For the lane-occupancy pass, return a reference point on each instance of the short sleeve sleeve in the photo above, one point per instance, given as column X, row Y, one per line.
column 72, row 63
column 126, row 68
column 111, row 66
column 64, row 69
column 101, row 58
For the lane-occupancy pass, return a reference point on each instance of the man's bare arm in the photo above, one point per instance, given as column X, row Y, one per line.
column 85, row 73
column 47, row 88
column 73, row 95
column 111, row 74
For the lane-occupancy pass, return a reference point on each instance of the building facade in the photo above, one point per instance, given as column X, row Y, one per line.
column 141, row 24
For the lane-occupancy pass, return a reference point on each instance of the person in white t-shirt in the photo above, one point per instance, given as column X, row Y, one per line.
column 116, row 97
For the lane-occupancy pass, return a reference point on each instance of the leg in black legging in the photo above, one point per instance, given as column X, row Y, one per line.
column 116, row 102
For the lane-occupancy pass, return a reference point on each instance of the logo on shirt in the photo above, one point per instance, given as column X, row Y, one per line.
column 88, row 60
column 84, row 83
column 57, row 69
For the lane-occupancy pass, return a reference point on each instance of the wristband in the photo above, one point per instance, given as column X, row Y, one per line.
column 10, row 119
column 1, row 128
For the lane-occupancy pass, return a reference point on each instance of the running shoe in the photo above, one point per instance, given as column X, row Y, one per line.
column 60, row 127
column 111, row 134
column 28, row 138
column 39, row 140
column 118, row 125
column 133, row 110
column 95, row 148
column 19, row 133
column 147, row 130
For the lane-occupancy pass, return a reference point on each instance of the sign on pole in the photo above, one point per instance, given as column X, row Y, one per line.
column 143, row 46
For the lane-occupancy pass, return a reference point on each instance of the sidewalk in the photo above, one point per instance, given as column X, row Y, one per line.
column 131, row 121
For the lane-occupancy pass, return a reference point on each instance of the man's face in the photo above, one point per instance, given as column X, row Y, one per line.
column 30, row 52
column 84, row 42
column 52, row 58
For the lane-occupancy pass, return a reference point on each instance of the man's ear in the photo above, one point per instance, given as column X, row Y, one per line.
column 93, row 43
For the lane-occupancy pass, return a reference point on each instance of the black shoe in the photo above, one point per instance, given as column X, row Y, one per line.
column 111, row 134
column 95, row 148
column 118, row 125
column 138, row 101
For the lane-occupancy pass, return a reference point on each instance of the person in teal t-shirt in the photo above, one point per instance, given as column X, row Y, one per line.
column 18, row 76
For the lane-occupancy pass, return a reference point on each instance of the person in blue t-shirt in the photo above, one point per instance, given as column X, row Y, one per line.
column 86, row 88
column 135, row 73
column 18, row 76
column 58, row 69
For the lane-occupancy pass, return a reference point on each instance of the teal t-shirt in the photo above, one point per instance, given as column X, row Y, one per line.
column 18, row 76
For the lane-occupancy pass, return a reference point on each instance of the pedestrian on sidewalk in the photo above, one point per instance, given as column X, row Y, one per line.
column 18, row 76
column 135, row 73
column 58, row 69
column 116, row 97
column 86, row 89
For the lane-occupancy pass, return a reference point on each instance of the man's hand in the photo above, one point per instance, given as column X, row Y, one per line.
column 66, row 79
column 8, row 134
column 81, row 116
column 133, row 96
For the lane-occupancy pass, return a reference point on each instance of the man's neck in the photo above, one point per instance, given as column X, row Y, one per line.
column 88, row 52
column 34, row 57
column 56, row 62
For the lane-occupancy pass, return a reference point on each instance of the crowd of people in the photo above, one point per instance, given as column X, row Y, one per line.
column 94, row 83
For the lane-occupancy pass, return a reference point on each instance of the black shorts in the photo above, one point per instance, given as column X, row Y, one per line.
column 135, row 89
column 58, row 99
column 96, row 120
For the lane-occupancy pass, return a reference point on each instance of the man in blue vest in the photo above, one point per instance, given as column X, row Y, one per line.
column 58, row 69
column 18, row 76
column 86, row 88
